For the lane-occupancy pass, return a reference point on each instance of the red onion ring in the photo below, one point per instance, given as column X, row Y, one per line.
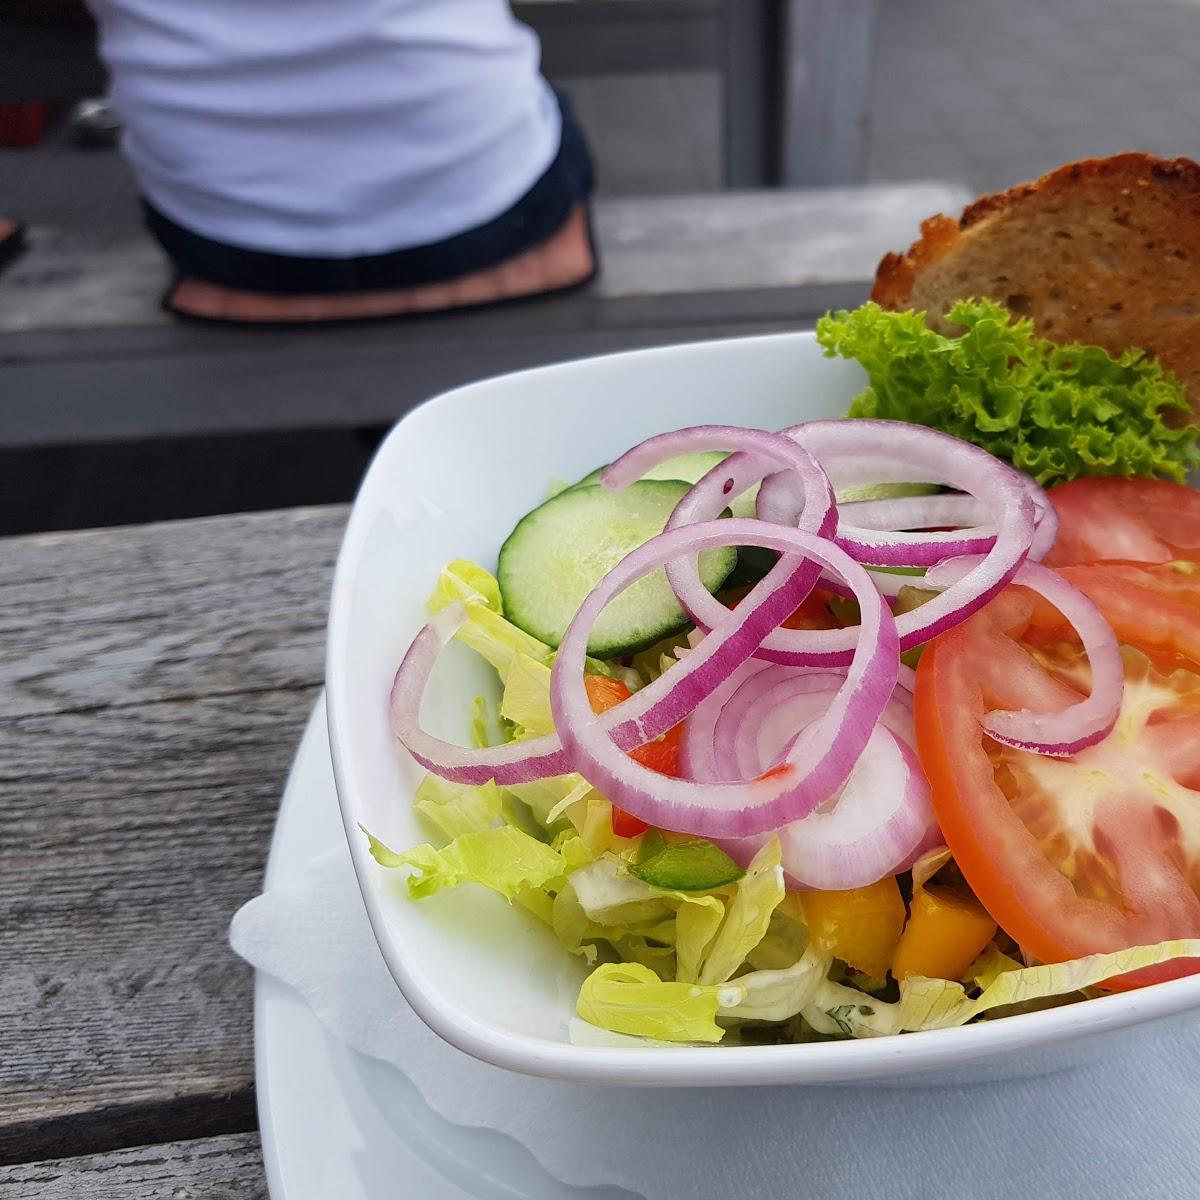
column 808, row 775
column 881, row 822
column 953, row 510
column 733, row 475
column 754, row 450
column 961, row 512
column 1072, row 729
column 862, row 451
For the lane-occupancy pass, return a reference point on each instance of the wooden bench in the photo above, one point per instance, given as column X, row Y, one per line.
column 86, row 355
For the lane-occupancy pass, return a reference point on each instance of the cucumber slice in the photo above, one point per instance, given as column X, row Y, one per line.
column 690, row 468
column 561, row 550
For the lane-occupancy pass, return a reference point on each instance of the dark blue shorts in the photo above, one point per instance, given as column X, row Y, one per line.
column 541, row 212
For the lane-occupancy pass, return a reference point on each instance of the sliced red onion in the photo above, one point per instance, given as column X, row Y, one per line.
column 756, row 452
column 1045, row 520
column 512, row 763
column 950, row 510
column 729, row 478
column 962, row 513
column 861, row 451
column 1081, row 725
column 879, row 823
column 883, row 548
column 807, row 776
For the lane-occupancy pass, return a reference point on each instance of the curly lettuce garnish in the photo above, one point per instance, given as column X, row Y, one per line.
column 1054, row 411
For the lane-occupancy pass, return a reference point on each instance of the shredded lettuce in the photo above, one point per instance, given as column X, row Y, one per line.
column 748, row 915
column 482, row 724
column 782, row 945
column 1055, row 411
column 630, row 998
column 939, row 1004
column 503, row 859
column 485, row 630
column 526, row 699
column 696, row 926
column 989, row 966
column 454, row 809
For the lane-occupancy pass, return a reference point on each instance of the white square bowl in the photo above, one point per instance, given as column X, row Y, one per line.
column 450, row 481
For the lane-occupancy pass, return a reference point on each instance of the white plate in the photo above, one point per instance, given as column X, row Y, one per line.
column 335, row 1124
column 339, row 1126
column 450, row 481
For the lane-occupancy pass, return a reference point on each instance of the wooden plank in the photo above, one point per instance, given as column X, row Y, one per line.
column 653, row 248
column 217, row 1168
column 676, row 268
column 117, row 618
column 827, row 51
column 156, row 682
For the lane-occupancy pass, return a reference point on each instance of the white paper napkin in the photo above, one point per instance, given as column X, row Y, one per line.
column 1124, row 1127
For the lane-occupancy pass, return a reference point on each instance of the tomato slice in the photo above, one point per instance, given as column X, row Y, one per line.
column 1099, row 851
column 1135, row 520
column 661, row 755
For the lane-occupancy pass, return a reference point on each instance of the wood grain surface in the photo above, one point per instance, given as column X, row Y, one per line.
column 217, row 1168
column 153, row 684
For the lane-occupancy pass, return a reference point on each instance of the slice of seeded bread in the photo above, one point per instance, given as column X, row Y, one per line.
column 1105, row 251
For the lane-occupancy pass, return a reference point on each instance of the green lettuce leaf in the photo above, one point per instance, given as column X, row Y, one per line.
column 939, row 1004
column 747, row 916
column 526, row 699
column 455, row 809
column 504, row 859
column 989, row 966
column 610, row 896
column 631, row 998
column 482, row 725
column 543, row 796
column 837, row 1010
column 782, row 945
column 1057, row 412
column 776, row 995
column 485, row 630
column 601, row 901
column 696, row 926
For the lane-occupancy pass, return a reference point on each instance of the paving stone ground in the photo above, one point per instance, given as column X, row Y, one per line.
column 995, row 91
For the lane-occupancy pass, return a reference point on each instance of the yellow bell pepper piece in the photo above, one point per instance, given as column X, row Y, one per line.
column 861, row 927
column 943, row 937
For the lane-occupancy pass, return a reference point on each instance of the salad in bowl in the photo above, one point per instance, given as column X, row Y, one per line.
column 852, row 728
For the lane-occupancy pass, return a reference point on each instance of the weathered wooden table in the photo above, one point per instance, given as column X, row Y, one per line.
column 154, row 682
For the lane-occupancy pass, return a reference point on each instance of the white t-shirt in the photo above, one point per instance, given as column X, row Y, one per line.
column 328, row 127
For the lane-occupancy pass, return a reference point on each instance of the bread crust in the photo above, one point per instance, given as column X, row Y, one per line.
column 1105, row 251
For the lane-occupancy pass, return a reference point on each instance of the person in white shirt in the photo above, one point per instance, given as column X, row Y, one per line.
column 316, row 160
